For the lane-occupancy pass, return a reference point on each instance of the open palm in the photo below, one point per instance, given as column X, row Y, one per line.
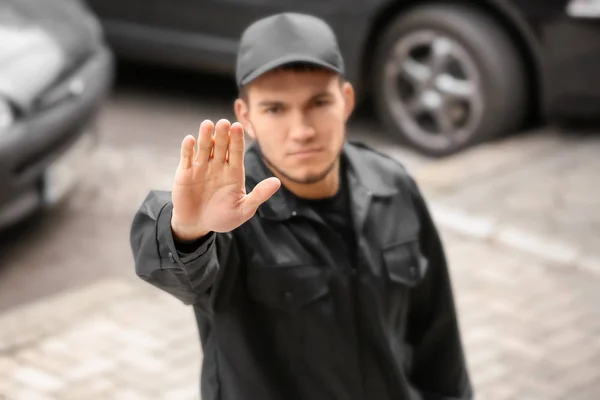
column 209, row 193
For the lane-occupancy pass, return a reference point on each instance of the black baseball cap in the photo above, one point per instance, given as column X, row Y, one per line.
column 286, row 38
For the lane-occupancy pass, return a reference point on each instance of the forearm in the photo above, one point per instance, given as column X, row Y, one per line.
column 185, row 274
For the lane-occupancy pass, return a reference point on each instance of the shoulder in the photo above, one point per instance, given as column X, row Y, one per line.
column 387, row 168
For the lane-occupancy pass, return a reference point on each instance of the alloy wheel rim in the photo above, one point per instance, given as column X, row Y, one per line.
column 433, row 88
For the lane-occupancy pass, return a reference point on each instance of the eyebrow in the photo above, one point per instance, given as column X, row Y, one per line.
column 270, row 103
column 276, row 103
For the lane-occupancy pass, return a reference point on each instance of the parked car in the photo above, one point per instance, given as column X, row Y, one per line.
column 443, row 75
column 55, row 71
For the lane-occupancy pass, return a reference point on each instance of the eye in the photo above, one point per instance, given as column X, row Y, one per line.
column 273, row 110
column 321, row 103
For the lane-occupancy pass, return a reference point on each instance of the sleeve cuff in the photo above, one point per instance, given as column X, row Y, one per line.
column 169, row 256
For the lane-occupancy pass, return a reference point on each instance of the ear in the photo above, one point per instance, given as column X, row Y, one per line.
column 242, row 115
column 349, row 99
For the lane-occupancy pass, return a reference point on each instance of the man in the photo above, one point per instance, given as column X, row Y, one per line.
column 328, row 279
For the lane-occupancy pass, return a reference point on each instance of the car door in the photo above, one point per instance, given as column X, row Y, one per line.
column 218, row 24
column 158, row 31
column 204, row 34
column 198, row 33
column 215, row 26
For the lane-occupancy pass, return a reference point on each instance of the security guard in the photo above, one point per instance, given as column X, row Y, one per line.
column 312, row 263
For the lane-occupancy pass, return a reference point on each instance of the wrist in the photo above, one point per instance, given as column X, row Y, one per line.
column 186, row 233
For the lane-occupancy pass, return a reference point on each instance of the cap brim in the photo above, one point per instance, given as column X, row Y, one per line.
column 291, row 59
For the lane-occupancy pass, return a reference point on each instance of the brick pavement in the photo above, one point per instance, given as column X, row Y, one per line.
column 538, row 192
column 530, row 322
column 532, row 331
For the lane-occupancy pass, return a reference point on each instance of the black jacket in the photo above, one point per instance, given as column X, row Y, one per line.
column 282, row 314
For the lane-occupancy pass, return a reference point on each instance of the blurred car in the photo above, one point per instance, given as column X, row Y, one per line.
column 443, row 75
column 55, row 71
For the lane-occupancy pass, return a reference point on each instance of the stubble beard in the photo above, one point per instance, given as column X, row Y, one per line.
column 306, row 181
column 311, row 179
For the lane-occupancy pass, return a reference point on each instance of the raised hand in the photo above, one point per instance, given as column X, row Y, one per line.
column 209, row 191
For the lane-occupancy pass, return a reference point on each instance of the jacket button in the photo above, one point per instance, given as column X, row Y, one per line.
column 288, row 297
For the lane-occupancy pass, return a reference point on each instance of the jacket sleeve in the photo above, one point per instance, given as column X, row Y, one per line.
column 439, row 369
column 190, row 277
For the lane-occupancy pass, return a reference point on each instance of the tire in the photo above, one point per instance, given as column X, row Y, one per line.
column 495, row 69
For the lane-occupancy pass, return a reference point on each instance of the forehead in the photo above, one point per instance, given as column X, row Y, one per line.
column 295, row 84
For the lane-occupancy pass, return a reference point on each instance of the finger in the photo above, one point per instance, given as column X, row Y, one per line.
column 236, row 145
column 221, row 140
column 205, row 141
column 187, row 152
column 261, row 193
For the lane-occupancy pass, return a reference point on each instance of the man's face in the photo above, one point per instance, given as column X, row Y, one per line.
column 298, row 119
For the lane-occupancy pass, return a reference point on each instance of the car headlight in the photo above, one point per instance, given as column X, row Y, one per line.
column 7, row 116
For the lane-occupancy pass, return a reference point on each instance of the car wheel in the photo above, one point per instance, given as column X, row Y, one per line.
column 447, row 77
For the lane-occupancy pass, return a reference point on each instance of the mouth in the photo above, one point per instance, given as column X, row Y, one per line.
column 305, row 152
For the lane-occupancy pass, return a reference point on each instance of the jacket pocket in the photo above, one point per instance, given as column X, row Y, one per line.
column 404, row 263
column 288, row 288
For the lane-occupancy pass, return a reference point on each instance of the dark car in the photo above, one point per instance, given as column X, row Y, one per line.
column 55, row 72
column 443, row 75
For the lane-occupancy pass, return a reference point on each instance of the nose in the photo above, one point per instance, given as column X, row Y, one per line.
column 302, row 130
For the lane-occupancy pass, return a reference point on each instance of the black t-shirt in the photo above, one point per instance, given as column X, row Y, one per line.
column 336, row 213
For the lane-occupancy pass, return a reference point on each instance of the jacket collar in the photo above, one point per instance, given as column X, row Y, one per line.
column 365, row 175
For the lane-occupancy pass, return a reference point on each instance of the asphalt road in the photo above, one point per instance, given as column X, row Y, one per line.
column 141, row 127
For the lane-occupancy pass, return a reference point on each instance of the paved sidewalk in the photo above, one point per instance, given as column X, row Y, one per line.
column 532, row 331
column 521, row 227
column 539, row 193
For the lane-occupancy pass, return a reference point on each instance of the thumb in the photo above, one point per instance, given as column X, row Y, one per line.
column 261, row 193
